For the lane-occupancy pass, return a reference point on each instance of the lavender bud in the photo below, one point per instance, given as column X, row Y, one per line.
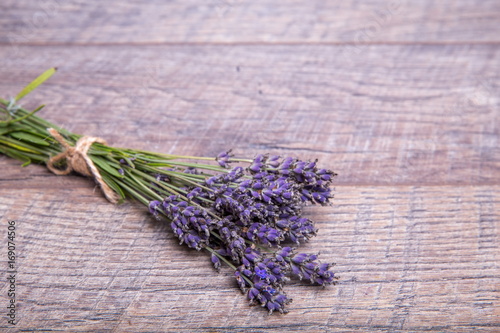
column 255, row 167
column 216, row 262
column 273, row 161
column 154, row 206
column 224, row 159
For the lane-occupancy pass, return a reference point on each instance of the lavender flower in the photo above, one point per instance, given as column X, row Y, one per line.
column 263, row 277
column 224, row 159
column 306, row 266
column 261, row 206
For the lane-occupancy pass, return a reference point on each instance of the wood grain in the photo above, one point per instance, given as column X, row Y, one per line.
column 405, row 107
column 239, row 21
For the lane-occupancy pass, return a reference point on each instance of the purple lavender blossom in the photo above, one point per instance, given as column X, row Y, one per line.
column 306, row 266
column 258, row 163
column 189, row 223
column 154, row 207
column 234, row 212
column 233, row 243
column 262, row 279
column 264, row 234
column 268, row 297
column 296, row 228
column 224, row 159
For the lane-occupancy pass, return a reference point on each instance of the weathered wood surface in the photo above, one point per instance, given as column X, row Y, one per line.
column 240, row 21
column 409, row 118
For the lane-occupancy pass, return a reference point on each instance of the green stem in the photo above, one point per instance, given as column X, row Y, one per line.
column 143, row 187
column 135, row 194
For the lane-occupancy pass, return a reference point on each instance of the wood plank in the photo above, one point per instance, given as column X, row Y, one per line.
column 263, row 21
column 409, row 257
column 395, row 119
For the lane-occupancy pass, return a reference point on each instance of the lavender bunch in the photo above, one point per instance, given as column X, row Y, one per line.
column 246, row 213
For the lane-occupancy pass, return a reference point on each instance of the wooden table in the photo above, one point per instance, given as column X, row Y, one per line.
column 401, row 98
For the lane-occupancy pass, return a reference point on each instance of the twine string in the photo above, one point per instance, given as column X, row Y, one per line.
column 77, row 160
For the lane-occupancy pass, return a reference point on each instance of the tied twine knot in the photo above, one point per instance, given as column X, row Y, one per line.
column 77, row 160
